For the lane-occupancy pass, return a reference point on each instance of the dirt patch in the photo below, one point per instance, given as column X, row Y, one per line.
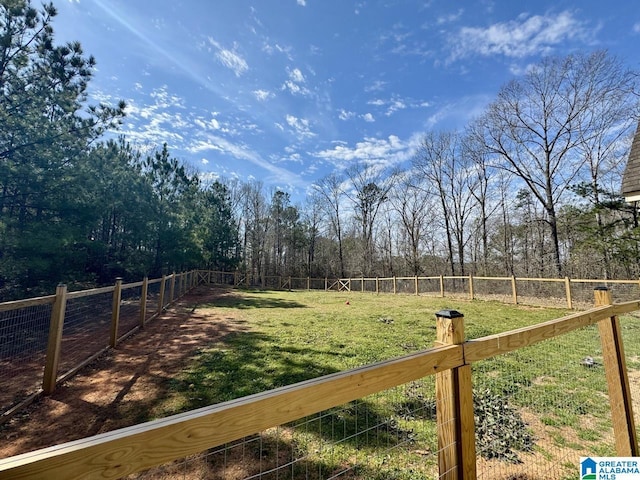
column 124, row 386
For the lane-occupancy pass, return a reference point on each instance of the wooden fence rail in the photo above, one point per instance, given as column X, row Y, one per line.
column 469, row 284
column 129, row 450
column 52, row 376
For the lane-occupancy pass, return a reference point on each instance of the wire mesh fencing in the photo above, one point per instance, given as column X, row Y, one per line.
column 23, row 347
column 153, row 298
column 630, row 333
column 86, row 328
column 130, row 308
column 540, row 408
column 386, row 436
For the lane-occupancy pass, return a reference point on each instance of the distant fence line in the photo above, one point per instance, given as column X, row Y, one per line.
column 569, row 292
column 46, row 340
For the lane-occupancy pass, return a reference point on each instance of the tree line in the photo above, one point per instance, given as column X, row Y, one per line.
column 529, row 188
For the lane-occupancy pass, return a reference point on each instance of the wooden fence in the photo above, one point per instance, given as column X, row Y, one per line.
column 122, row 452
column 569, row 292
column 119, row 324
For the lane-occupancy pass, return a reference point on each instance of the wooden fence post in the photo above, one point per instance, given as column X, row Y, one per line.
column 472, row 294
column 308, row 283
column 55, row 340
column 514, row 290
column 172, row 288
column 441, row 286
column 115, row 313
column 143, row 300
column 417, row 285
column 377, row 285
column 395, row 285
column 567, row 287
column 163, row 283
column 326, row 284
column 362, row 285
column 617, row 379
column 454, row 406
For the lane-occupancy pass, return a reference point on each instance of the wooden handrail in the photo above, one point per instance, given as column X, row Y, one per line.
column 132, row 449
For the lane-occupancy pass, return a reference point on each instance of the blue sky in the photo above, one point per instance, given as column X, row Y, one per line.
column 286, row 91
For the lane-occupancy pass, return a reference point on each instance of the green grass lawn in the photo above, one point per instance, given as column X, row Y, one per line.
column 288, row 337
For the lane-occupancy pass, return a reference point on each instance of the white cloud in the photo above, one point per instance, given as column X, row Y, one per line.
column 528, row 35
column 296, row 83
column 367, row 117
column 241, row 152
column 395, row 103
column 212, row 124
column 204, row 161
column 395, row 106
column 345, row 115
column 296, row 76
column 372, row 151
column 452, row 17
column 300, row 126
column 230, row 58
column 636, row 28
column 262, row 95
column 376, row 86
column 302, row 3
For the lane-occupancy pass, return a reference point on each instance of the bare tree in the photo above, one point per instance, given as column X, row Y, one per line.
column 534, row 127
column 371, row 188
column 610, row 118
column 441, row 161
column 255, row 211
column 413, row 201
column 329, row 189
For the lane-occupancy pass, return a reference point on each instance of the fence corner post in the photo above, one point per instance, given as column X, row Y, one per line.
column 115, row 313
column 55, row 340
column 615, row 368
column 454, row 406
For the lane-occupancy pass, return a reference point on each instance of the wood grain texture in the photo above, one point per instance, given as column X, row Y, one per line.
column 492, row 345
column 125, row 451
column 31, row 302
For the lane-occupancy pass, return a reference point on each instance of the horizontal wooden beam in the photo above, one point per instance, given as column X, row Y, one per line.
column 492, row 345
column 132, row 449
column 30, row 302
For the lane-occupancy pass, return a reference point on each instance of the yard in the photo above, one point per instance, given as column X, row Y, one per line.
column 537, row 406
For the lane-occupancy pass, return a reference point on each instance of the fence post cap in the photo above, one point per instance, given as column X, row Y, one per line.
column 449, row 314
column 602, row 288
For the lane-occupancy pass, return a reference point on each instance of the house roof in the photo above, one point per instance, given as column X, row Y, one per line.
column 631, row 177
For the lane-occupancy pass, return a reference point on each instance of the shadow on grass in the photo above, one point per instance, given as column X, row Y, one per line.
column 252, row 299
column 243, row 364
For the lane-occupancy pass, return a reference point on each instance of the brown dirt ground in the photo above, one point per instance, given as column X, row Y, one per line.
column 124, row 384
